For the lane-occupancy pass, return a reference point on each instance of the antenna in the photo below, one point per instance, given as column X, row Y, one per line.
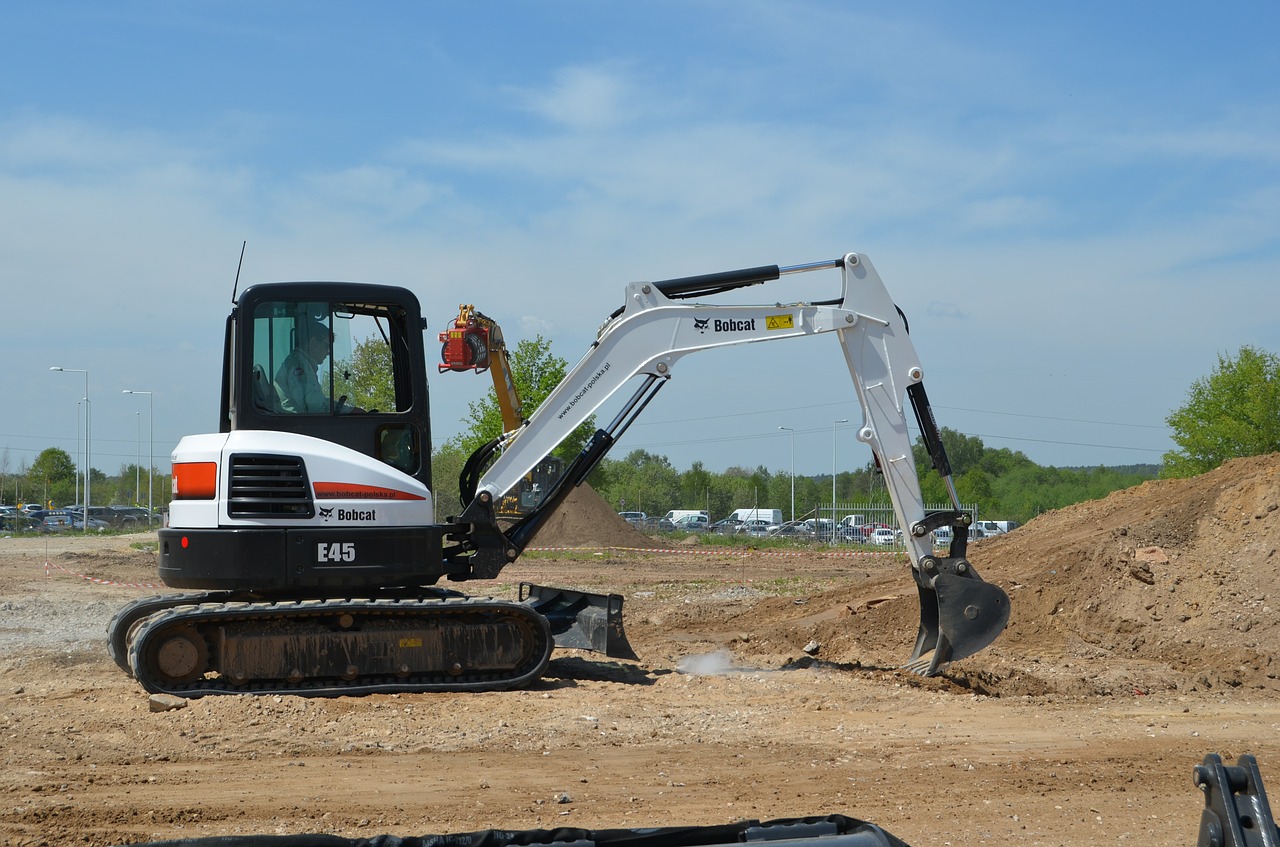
column 239, row 265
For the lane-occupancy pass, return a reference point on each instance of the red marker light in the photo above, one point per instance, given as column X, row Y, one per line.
column 184, row 542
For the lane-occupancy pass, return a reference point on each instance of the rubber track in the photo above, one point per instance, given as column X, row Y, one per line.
column 212, row 614
column 123, row 620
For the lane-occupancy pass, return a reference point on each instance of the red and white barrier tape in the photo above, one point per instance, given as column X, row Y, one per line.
column 95, row 580
column 742, row 554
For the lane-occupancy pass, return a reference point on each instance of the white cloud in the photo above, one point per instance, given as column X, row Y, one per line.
column 585, row 99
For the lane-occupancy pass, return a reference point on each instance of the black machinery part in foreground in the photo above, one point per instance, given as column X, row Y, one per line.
column 829, row 831
column 1236, row 814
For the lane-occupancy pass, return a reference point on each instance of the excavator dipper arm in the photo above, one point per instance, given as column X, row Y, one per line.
column 960, row 614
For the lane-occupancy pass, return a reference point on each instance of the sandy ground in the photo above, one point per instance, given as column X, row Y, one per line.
column 1141, row 639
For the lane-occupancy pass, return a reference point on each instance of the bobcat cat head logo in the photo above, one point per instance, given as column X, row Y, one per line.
column 326, row 513
column 700, row 324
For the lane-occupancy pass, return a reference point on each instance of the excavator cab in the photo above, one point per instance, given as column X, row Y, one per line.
column 338, row 362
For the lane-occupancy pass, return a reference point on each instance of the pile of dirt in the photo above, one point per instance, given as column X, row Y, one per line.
column 1164, row 586
column 1178, row 573
column 584, row 519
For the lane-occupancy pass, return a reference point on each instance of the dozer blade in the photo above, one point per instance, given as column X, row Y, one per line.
column 579, row 620
column 959, row 613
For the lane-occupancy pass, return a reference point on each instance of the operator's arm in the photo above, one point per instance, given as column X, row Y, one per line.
column 299, row 388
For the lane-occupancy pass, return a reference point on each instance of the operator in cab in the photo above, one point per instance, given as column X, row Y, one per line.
column 298, row 377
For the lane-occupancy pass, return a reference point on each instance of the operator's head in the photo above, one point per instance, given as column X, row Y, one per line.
column 314, row 338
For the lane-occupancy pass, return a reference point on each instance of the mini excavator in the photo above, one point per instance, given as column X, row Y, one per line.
column 306, row 540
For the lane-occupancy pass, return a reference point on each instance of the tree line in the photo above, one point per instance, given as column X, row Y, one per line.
column 54, row 479
column 1232, row 412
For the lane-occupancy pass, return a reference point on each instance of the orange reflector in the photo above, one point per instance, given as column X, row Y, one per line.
column 195, row 480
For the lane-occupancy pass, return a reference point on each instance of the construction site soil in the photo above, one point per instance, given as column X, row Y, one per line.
column 1142, row 637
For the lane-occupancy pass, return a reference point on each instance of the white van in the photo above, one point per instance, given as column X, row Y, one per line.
column 990, row 528
column 772, row 516
column 676, row 514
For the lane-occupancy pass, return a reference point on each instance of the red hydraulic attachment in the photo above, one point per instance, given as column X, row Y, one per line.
column 475, row 343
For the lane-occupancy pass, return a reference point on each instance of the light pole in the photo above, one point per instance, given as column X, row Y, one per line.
column 793, row 470
column 833, row 477
column 79, row 467
column 137, row 465
column 151, row 444
column 88, row 438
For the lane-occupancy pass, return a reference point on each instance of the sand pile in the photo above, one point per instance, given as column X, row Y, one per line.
column 584, row 519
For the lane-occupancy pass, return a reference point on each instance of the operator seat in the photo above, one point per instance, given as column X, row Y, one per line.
column 265, row 396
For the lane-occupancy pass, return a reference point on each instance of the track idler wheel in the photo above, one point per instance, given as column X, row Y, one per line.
column 178, row 656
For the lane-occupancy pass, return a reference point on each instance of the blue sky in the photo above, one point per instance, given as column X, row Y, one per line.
column 1077, row 206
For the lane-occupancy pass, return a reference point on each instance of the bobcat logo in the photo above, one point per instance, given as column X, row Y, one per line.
column 700, row 324
column 326, row 513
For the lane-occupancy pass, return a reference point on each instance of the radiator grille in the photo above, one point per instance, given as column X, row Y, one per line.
column 266, row 486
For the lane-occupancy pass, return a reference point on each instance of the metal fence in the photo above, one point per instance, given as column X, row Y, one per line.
column 873, row 515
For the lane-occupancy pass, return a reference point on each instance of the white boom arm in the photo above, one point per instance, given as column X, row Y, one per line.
column 959, row 613
column 653, row 332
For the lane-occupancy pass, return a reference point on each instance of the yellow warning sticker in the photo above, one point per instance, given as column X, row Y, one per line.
column 410, row 642
column 780, row 322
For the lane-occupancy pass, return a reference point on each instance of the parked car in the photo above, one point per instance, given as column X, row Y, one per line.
column 757, row 528
column 20, row 523
column 57, row 520
column 95, row 525
column 127, row 516
column 726, row 526
column 638, row 519
column 692, row 523
column 792, row 529
column 883, row 537
column 819, row 528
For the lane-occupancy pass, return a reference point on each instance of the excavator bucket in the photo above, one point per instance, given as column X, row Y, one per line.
column 579, row 620
column 959, row 613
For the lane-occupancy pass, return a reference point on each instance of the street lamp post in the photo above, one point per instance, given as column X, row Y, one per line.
column 833, row 477
column 88, row 438
column 79, row 466
column 137, row 464
column 793, row 470
column 151, row 445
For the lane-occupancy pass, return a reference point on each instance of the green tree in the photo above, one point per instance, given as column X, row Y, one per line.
column 446, row 467
column 366, row 377
column 1233, row 412
column 536, row 371
column 644, row 481
column 52, row 476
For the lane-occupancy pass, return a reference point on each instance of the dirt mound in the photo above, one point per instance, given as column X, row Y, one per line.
column 584, row 519
column 1166, row 586
column 1178, row 573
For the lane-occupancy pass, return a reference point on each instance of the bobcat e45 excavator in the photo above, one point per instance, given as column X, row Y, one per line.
column 307, row 523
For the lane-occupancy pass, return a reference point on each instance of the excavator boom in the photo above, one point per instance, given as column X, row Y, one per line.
column 960, row 614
